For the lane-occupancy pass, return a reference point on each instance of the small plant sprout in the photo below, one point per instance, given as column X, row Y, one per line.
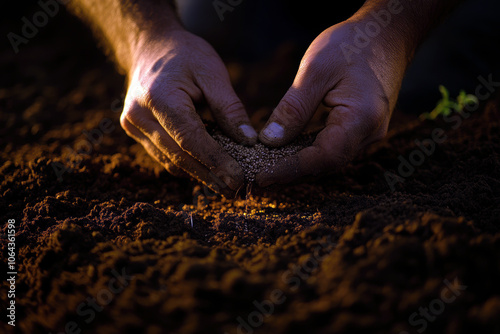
column 445, row 106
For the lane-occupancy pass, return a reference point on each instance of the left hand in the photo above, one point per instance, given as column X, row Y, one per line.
column 361, row 88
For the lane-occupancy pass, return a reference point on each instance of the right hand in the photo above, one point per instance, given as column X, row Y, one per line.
column 169, row 74
column 360, row 89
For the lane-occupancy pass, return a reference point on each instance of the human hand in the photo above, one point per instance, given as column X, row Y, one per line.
column 360, row 88
column 171, row 73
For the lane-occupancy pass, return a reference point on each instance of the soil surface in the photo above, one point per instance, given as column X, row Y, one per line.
column 108, row 242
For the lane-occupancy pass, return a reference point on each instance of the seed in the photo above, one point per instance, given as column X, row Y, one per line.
column 259, row 157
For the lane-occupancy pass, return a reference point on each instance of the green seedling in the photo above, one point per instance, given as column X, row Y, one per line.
column 445, row 106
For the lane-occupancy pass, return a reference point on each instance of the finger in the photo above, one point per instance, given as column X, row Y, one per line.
column 294, row 111
column 144, row 124
column 152, row 150
column 346, row 132
column 308, row 161
column 226, row 107
column 178, row 118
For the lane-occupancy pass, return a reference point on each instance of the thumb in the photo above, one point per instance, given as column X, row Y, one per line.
column 291, row 115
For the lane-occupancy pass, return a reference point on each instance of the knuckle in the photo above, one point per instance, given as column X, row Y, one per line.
column 311, row 66
column 156, row 100
column 125, row 124
column 233, row 109
column 149, row 100
column 294, row 109
column 128, row 118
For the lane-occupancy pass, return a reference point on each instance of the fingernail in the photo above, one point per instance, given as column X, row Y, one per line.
column 248, row 131
column 273, row 131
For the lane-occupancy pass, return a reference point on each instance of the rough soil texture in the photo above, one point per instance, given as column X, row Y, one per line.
column 343, row 254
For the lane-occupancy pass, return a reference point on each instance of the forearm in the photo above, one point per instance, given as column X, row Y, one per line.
column 124, row 25
column 410, row 20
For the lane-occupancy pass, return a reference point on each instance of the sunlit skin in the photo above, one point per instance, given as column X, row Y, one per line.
column 169, row 69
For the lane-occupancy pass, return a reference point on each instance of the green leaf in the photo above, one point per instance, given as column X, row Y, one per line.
column 445, row 106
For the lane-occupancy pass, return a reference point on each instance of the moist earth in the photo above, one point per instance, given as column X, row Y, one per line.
column 108, row 242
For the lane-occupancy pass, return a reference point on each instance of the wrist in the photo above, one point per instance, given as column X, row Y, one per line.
column 154, row 34
column 150, row 44
column 403, row 24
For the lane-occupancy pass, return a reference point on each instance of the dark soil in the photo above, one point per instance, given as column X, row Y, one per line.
column 342, row 254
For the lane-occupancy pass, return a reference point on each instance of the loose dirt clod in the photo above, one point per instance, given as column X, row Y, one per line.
column 254, row 159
